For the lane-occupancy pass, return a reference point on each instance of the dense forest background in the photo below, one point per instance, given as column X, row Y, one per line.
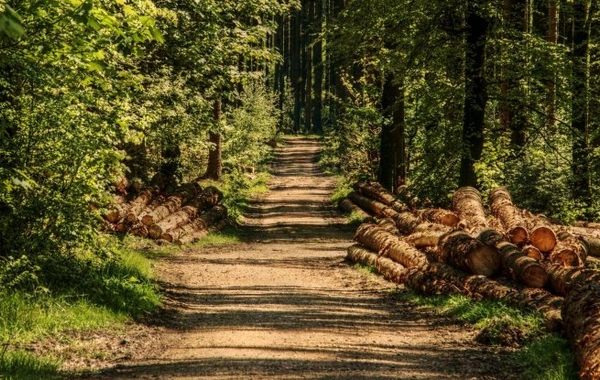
column 102, row 97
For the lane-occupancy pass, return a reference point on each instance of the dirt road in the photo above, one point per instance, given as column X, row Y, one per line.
column 285, row 305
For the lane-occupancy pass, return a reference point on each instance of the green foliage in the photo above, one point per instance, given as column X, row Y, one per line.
column 249, row 126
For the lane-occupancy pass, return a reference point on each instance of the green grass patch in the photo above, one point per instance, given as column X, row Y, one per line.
column 20, row 365
column 225, row 237
column 341, row 191
column 547, row 358
column 541, row 355
column 25, row 318
column 367, row 269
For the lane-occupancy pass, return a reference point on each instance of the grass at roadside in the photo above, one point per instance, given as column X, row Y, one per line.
column 540, row 355
column 81, row 295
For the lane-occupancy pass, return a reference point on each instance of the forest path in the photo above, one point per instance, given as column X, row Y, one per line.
column 284, row 305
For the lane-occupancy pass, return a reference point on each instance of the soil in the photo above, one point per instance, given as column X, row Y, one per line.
column 284, row 304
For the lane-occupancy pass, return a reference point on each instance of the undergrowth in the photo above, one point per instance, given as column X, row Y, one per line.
column 540, row 355
column 68, row 293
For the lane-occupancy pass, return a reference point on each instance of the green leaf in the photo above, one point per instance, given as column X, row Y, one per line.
column 157, row 35
column 97, row 66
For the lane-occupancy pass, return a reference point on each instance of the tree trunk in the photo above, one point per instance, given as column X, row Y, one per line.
column 138, row 205
column 511, row 218
column 387, row 244
column 552, row 37
column 581, row 154
column 171, row 205
column 214, row 168
column 581, row 315
column 376, row 191
column 349, row 207
column 173, row 221
column 468, row 205
column 460, row 250
column 475, row 92
column 317, row 120
column 439, row 216
column 514, row 263
column 541, row 234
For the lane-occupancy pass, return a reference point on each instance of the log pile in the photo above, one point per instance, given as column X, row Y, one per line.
column 182, row 216
column 505, row 254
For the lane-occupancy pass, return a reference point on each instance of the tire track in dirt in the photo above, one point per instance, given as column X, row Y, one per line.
column 284, row 305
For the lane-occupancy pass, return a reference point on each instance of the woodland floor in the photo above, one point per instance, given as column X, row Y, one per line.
column 284, row 304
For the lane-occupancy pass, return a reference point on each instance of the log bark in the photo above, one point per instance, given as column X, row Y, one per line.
column 376, row 191
column 195, row 225
column 561, row 280
column 115, row 213
column 467, row 204
column 519, row 266
column 581, row 315
column 425, row 239
column 210, row 219
column 173, row 221
column 387, row 244
column 139, row 204
column 372, row 207
column 439, row 216
column 570, row 251
column 511, row 218
column 349, row 207
column 459, row 249
column 591, row 225
column 173, row 203
column 440, row 278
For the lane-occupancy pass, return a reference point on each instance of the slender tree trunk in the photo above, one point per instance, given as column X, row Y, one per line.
column 552, row 36
column 580, row 99
column 317, row 121
column 475, row 93
column 296, row 77
column 310, row 21
column 392, row 166
column 215, row 161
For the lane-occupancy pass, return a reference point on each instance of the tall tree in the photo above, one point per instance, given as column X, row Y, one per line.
column 475, row 91
column 580, row 101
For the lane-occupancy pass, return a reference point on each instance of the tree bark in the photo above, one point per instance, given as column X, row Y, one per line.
column 468, row 205
column 215, row 161
column 475, row 92
column 511, row 218
column 317, row 120
column 515, row 263
column 581, row 315
column 460, row 250
column 439, row 216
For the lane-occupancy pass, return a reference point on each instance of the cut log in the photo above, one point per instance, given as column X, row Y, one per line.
column 519, row 266
column 570, row 251
column 459, row 249
column 533, row 252
column 467, row 204
column 375, row 191
column 440, row 278
column 372, row 207
column 509, row 215
column 350, row 208
column 211, row 218
column 425, row 239
column 195, row 225
column 173, row 203
column 387, row 244
column 541, row 234
column 581, row 315
column 562, row 280
column 138, row 205
column 114, row 213
column 439, row 216
column 171, row 222
column 592, row 225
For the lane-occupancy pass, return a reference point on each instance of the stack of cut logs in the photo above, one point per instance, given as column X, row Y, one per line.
column 183, row 216
column 508, row 255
